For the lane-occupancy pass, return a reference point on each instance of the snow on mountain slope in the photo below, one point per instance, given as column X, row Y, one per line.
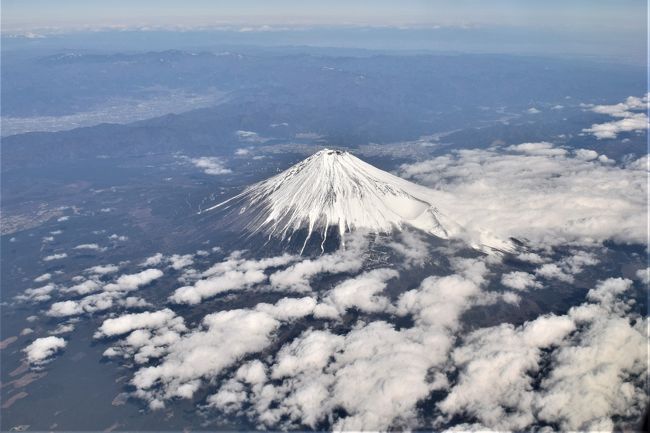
column 334, row 188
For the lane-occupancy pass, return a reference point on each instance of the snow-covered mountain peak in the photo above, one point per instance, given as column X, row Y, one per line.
column 334, row 188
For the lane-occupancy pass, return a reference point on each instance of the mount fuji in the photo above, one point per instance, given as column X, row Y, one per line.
column 335, row 189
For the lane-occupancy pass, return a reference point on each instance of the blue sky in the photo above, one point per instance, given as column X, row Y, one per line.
column 578, row 15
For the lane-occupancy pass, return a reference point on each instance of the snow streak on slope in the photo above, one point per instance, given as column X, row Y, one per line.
column 334, row 188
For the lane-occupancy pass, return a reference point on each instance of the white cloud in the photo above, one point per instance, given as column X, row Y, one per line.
column 102, row 269
column 109, row 295
column 577, row 260
column 222, row 339
column 412, row 247
column 178, row 261
column 606, row 292
column 116, row 237
column 543, row 148
column 495, row 364
column 361, row 292
column 55, row 257
column 547, row 200
column 130, row 282
column 210, row 165
column 530, row 258
column 242, row 152
column 567, row 267
column 321, row 371
column 349, row 258
column 85, row 287
column 232, row 394
column 63, row 328
column 520, row 281
column 643, row 275
column 594, row 368
column 610, row 130
column 586, row 154
column 40, row 294
column 250, row 137
column 41, row 350
column 551, row 270
column 318, row 376
column 630, row 118
column 235, row 273
column 602, row 373
column 175, row 261
column 95, row 247
column 146, row 320
column 154, row 260
column 65, row 308
column 622, row 109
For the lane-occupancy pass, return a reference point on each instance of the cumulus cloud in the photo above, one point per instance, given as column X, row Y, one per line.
column 250, row 137
column 93, row 303
column 586, row 154
column 520, row 281
column 610, row 130
column 65, row 308
column 63, row 328
column 496, row 363
column 116, row 237
column 211, row 165
column 203, row 353
column 321, row 371
column 412, row 247
column 85, row 287
column 643, row 275
column 361, row 292
column 601, row 374
column 154, row 260
column 551, row 270
column 41, row 350
column 314, row 376
column 235, row 273
column 567, row 267
column 102, row 269
column 542, row 148
column 546, row 199
column 146, row 320
column 43, row 278
column 109, row 295
column 94, row 247
column 594, row 359
column 40, row 294
column 530, row 258
column 630, row 118
column 348, row 258
column 504, row 377
column 129, row 282
column 178, row 261
column 55, row 257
